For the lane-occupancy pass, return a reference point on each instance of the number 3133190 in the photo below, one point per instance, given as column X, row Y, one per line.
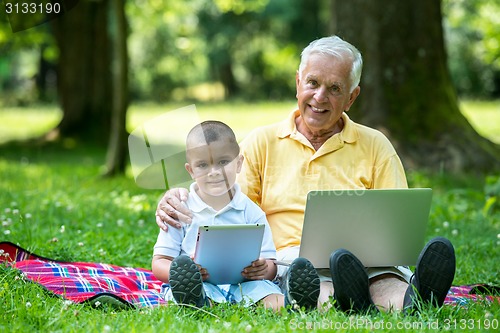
column 32, row 8
column 471, row 324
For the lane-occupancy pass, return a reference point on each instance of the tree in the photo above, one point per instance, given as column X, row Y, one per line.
column 473, row 43
column 92, row 77
column 84, row 75
column 117, row 148
column 406, row 89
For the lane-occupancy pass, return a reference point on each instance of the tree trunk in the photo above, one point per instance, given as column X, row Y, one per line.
column 222, row 70
column 46, row 73
column 84, row 85
column 406, row 89
column 117, row 148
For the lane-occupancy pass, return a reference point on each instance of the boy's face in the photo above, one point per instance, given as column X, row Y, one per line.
column 214, row 167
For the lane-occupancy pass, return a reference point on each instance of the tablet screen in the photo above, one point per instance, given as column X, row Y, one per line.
column 225, row 250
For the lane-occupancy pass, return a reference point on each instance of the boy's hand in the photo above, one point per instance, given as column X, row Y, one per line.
column 257, row 270
column 204, row 272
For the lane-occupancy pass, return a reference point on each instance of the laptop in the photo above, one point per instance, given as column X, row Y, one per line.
column 382, row 227
column 225, row 250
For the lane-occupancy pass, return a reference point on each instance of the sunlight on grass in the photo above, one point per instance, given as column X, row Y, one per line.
column 18, row 123
column 241, row 117
column 484, row 117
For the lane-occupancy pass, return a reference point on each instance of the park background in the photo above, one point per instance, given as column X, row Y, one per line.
column 72, row 89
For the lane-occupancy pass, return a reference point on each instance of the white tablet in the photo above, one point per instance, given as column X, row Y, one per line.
column 225, row 250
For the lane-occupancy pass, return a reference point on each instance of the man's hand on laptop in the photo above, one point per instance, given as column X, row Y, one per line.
column 171, row 210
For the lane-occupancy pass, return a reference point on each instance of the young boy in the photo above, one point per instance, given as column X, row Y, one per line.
column 213, row 161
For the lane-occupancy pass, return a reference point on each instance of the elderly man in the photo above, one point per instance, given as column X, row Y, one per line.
column 318, row 147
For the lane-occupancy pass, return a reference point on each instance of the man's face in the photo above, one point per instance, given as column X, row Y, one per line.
column 323, row 92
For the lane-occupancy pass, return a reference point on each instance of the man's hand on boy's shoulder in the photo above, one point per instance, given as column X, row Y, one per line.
column 171, row 209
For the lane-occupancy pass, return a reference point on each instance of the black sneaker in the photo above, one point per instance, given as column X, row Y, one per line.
column 433, row 276
column 350, row 283
column 186, row 282
column 302, row 285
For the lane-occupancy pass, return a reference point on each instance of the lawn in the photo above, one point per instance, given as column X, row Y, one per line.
column 53, row 202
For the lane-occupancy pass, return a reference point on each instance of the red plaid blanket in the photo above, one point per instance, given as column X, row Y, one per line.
column 86, row 282
column 137, row 287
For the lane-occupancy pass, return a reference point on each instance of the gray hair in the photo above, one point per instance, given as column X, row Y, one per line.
column 337, row 47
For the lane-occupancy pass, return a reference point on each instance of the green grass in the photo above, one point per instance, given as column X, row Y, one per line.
column 53, row 202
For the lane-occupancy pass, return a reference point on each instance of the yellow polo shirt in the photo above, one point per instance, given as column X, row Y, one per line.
column 281, row 167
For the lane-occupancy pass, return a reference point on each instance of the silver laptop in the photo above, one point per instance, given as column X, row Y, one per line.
column 383, row 227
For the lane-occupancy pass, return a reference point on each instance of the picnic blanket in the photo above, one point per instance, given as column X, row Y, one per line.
column 84, row 282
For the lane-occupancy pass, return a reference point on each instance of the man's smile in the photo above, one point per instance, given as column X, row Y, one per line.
column 317, row 110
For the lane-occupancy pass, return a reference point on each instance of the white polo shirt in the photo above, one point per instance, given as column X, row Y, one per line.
column 241, row 210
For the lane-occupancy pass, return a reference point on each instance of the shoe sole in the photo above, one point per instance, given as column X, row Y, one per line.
column 303, row 283
column 350, row 281
column 186, row 281
column 435, row 271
